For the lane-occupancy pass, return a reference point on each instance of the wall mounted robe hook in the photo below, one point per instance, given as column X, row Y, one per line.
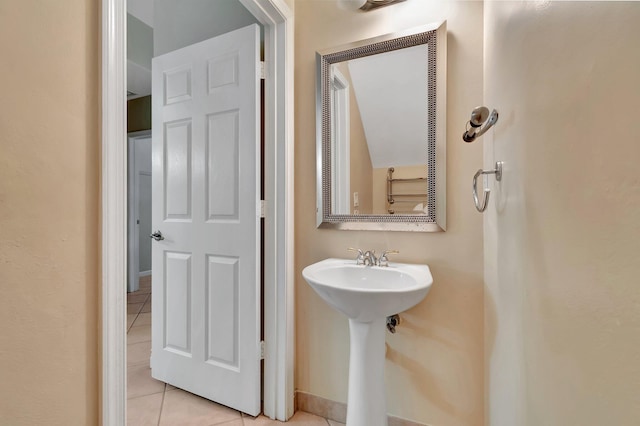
column 481, row 120
column 481, row 206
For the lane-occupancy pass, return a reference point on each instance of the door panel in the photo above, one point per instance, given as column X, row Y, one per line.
column 177, row 169
column 223, row 308
column 206, row 283
column 222, row 166
column 177, row 313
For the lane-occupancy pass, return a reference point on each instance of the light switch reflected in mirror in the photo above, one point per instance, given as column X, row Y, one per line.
column 381, row 140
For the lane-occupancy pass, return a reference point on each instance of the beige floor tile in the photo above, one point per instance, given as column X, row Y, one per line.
column 134, row 308
column 140, row 382
column 130, row 319
column 138, row 353
column 147, row 307
column 144, row 290
column 144, row 410
column 334, row 423
column 137, row 297
column 143, row 319
column 139, row 334
column 185, row 409
column 237, row 422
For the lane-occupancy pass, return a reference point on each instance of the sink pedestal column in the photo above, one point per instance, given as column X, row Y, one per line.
column 367, row 401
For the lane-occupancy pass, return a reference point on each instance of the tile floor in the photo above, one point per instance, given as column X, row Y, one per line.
column 151, row 402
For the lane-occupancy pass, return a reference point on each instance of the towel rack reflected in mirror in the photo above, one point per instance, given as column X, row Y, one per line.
column 404, row 197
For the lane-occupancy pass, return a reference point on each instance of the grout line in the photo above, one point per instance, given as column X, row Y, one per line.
column 162, row 404
column 227, row 422
column 132, row 322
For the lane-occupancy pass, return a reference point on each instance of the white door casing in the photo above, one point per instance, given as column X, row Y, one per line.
column 340, row 144
column 206, row 189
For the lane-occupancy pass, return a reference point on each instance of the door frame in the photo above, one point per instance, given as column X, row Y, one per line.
column 278, row 389
column 133, row 239
column 341, row 144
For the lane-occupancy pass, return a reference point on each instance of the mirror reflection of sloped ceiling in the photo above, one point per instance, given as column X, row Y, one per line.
column 391, row 91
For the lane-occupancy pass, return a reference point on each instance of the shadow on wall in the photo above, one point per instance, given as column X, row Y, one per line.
column 424, row 380
column 422, row 350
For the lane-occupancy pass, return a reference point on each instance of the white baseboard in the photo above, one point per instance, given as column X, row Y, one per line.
column 337, row 411
column 145, row 273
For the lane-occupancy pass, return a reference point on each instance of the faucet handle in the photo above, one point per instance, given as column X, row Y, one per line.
column 360, row 258
column 384, row 260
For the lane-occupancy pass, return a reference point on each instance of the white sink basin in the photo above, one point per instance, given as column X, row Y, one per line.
column 366, row 293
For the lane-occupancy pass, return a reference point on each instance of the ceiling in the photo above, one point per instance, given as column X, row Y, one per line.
column 141, row 9
column 155, row 27
column 139, row 72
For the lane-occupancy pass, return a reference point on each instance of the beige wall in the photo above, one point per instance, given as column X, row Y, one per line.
column 435, row 361
column 361, row 180
column 563, row 233
column 49, row 188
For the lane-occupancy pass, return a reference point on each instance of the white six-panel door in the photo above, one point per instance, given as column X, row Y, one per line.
column 206, row 175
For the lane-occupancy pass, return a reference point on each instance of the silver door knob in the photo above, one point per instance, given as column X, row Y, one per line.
column 157, row 236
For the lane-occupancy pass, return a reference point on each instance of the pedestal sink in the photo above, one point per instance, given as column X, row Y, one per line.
column 367, row 295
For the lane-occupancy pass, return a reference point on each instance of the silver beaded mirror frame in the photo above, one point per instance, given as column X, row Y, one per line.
column 434, row 36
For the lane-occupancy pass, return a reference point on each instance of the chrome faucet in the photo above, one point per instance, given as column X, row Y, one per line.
column 360, row 258
column 368, row 258
column 383, row 260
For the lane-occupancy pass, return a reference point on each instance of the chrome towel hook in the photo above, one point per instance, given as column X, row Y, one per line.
column 482, row 206
column 481, row 120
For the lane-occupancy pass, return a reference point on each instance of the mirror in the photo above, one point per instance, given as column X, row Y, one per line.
column 381, row 132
